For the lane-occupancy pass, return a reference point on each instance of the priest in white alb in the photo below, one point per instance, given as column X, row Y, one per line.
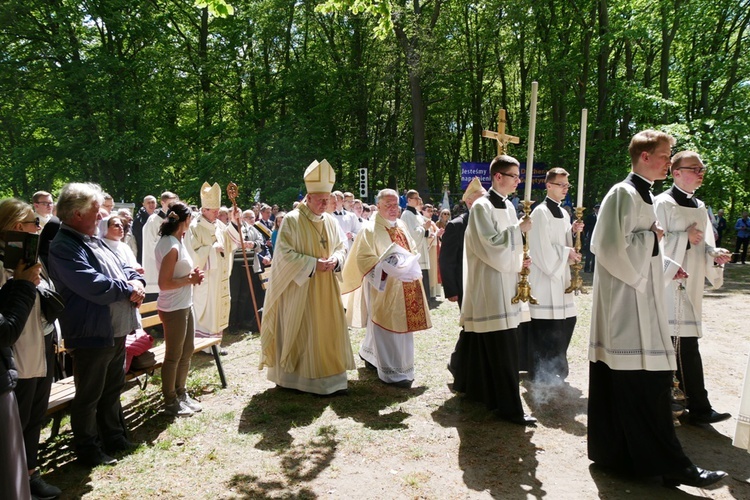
column 383, row 268
column 212, row 244
column 486, row 365
column 553, row 317
column 304, row 336
column 422, row 231
column 631, row 357
column 689, row 240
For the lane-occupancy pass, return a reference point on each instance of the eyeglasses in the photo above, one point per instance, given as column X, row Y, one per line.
column 45, row 203
column 512, row 176
column 116, row 225
column 695, row 170
column 35, row 222
column 564, row 186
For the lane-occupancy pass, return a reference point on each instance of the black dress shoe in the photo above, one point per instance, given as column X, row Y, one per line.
column 41, row 490
column 708, row 418
column 120, row 446
column 694, row 476
column 403, row 384
column 340, row 392
column 95, row 459
column 524, row 419
column 369, row 365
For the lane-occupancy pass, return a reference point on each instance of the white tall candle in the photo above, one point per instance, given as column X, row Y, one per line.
column 582, row 155
column 530, row 153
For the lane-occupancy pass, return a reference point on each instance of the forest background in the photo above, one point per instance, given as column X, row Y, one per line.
column 147, row 95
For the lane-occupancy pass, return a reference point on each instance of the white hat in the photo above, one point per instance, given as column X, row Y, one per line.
column 320, row 177
column 210, row 196
column 473, row 187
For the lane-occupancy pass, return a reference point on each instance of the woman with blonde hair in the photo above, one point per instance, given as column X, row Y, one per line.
column 33, row 352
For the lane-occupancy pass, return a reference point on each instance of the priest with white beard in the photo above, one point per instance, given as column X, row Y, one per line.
column 391, row 304
column 689, row 240
column 631, row 357
column 553, row 317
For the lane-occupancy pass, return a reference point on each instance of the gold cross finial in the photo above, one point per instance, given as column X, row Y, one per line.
column 500, row 136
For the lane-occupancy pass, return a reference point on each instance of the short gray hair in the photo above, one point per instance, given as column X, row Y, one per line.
column 386, row 192
column 77, row 197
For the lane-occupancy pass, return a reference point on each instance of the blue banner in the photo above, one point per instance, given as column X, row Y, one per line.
column 482, row 170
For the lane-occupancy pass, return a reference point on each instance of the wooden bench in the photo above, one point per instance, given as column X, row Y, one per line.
column 63, row 391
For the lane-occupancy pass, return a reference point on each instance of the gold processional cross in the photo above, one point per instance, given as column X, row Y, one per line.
column 500, row 136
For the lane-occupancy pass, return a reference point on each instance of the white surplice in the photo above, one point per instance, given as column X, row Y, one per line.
column 493, row 257
column 550, row 243
column 629, row 329
column 686, row 310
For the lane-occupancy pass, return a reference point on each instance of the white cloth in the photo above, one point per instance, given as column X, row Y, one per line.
column 742, row 431
column 150, row 237
column 697, row 261
column 177, row 298
column 414, row 223
column 493, row 257
column 123, row 251
column 29, row 350
column 211, row 300
column 391, row 353
column 629, row 328
column 348, row 223
column 550, row 243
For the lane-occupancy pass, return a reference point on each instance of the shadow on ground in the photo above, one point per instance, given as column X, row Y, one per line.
column 486, row 456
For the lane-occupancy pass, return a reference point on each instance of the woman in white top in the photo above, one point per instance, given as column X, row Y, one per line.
column 175, row 305
column 33, row 352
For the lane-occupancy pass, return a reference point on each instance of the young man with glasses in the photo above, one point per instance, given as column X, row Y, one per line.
column 689, row 241
column 631, row 356
column 43, row 205
column 486, row 369
column 553, row 317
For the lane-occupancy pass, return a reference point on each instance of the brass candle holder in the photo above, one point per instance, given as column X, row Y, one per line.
column 523, row 289
column 576, row 282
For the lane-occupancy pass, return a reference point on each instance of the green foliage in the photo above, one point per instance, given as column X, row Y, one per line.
column 142, row 97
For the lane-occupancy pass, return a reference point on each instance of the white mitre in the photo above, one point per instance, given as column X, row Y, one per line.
column 319, row 177
column 210, row 196
column 474, row 186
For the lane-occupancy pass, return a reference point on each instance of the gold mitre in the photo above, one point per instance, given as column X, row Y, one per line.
column 210, row 196
column 319, row 177
column 474, row 186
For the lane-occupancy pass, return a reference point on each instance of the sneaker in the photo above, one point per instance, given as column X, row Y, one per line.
column 177, row 409
column 40, row 489
column 194, row 405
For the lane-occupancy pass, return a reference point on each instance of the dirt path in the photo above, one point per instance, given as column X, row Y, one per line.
column 254, row 441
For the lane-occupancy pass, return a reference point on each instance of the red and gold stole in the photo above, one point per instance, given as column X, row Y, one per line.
column 416, row 316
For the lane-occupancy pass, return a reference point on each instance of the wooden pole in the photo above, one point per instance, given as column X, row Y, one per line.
column 232, row 193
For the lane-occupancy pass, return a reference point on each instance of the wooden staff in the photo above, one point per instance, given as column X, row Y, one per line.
column 232, row 194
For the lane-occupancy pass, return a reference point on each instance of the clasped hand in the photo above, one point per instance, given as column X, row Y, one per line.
column 328, row 264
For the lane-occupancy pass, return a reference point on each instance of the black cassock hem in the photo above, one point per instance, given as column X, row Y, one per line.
column 485, row 369
column 630, row 425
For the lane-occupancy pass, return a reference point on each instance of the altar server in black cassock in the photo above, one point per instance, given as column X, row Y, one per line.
column 493, row 257
column 452, row 257
column 630, row 352
column 553, row 317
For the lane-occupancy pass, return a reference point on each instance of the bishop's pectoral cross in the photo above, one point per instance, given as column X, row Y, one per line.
column 500, row 136
column 324, row 242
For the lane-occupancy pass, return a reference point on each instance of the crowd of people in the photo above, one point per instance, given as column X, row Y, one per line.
column 303, row 278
